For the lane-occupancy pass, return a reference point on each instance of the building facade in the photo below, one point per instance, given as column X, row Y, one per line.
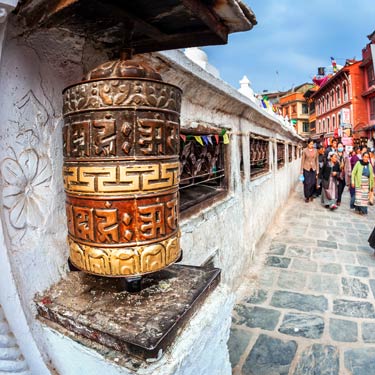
column 340, row 108
column 294, row 105
column 368, row 93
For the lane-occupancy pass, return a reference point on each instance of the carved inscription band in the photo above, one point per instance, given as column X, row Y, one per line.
column 122, row 221
column 121, row 134
column 106, row 179
column 125, row 261
column 120, row 93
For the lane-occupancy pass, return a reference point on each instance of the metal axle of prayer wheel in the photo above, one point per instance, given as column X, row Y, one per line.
column 121, row 170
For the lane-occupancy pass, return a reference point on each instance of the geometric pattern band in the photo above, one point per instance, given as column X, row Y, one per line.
column 120, row 179
column 126, row 261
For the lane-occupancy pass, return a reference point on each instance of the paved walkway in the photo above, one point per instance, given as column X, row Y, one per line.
column 308, row 305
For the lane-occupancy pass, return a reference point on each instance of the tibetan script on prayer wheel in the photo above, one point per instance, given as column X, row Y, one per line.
column 121, row 170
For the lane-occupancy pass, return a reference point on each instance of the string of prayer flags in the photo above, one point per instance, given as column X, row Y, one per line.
column 205, row 139
column 199, row 139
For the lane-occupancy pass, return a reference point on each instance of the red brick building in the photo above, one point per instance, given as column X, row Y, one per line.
column 368, row 92
column 341, row 109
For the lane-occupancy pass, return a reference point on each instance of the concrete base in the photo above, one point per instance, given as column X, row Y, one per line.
column 200, row 347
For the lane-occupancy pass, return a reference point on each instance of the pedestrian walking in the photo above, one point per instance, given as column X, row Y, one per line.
column 330, row 172
column 363, row 182
column 342, row 179
column 309, row 169
column 318, row 189
column 332, row 148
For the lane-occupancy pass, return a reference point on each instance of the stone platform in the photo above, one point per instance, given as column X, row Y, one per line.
column 141, row 324
column 310, row 307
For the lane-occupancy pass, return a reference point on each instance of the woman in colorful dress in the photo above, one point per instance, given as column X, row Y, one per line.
column 363, row 182
column 330, row 172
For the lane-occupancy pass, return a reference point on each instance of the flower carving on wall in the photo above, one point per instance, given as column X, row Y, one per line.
column 26, row 186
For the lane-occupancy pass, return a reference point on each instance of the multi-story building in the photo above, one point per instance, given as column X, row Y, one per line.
column 340, row 108
column 295, row 106
column 368, row 93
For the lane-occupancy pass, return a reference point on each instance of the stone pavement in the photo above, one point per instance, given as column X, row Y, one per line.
column 308, row 305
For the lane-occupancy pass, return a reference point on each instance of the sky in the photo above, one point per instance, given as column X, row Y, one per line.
column 292, row 39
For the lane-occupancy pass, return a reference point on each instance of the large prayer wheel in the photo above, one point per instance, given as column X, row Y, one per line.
column 121, row 170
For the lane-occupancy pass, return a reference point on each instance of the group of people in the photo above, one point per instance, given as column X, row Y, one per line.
column 326, row 172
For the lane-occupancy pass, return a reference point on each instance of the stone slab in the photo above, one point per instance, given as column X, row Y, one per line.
column 279, row 262
column 302, row 302
column 291, row 280
column 298, row 251
column 354, row 287
column 366, row 260
column 303, row 325
column 257, row 317
column 324, row 284
column 270, row 356
column 304, row 265
column 238, row 341
column 333, row 268
column 259, row 296
column 329, row 244
column 372, row 285
column 139, row 324
column 318, row 359
column 357, row 271
column 368, row 332
column 357, row 309
column 277, row 248
column 343, row 330
column 360, row 361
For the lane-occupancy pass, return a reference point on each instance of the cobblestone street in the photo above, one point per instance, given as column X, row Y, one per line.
column 308, row 308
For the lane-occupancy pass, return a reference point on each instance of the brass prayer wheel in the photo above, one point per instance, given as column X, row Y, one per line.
column 121, row 170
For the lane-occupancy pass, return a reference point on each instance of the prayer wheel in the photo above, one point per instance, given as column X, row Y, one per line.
column 121, row 170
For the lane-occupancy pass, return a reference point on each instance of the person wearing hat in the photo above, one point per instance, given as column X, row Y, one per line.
column 330, row 172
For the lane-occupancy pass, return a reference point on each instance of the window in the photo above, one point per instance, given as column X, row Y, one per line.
column 259, row 156
column 290, row 153
column 333, row 122
column 339, row 119
column 280, row 154
column 370, row 75
column 295, row 152
column 332, row 99
column 345, row 91
column 294, row 109
column 202, row 168
column 305, row 127
column 372, row 108
column 338, row 95
column 328, row 128
column 327, row 102
column 324, row 127
column 305, row 108
column 312, row 107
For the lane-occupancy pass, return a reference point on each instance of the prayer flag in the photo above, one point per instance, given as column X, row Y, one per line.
column 334, row 65
column 217, row 138
column 183, row 137
column 226, row 138
column 205, row 140
column 198, row 139
column 209, row 137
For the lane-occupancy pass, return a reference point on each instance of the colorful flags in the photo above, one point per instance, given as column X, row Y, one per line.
column 198, row 139
column 334, row 65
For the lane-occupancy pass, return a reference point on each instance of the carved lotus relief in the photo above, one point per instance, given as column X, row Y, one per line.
column 26, row 185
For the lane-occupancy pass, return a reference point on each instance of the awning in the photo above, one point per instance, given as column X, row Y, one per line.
column 144, row 25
